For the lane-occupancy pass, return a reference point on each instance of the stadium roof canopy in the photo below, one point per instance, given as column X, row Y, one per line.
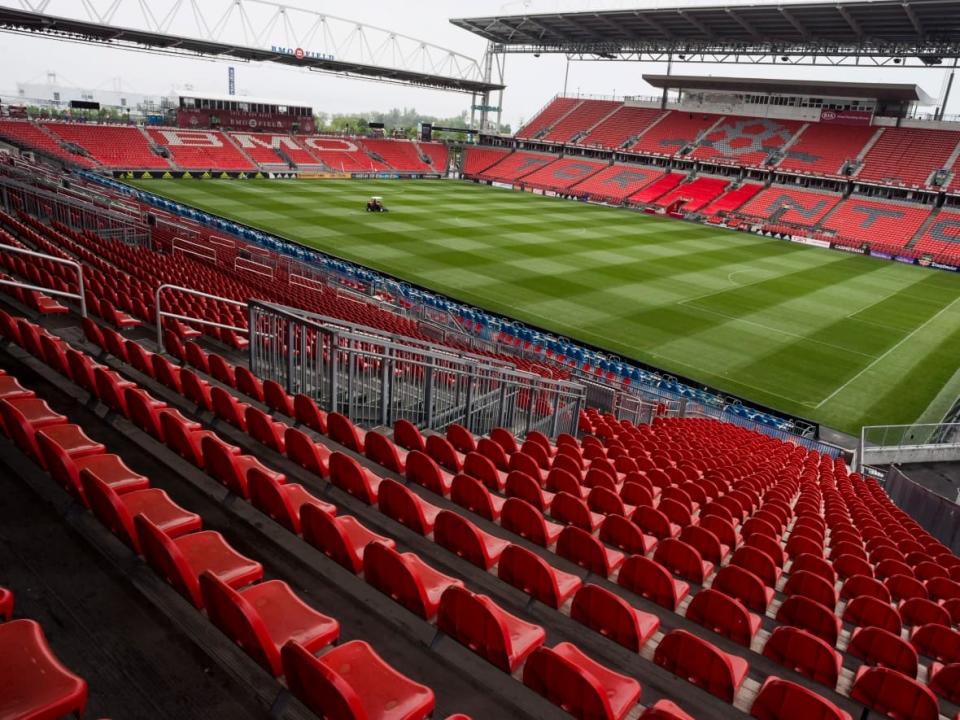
column 91, row 31
column 902, row 32
column 894, row 92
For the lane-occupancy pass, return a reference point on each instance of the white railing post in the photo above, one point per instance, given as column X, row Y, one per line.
column 50, row 291
column 199, row 321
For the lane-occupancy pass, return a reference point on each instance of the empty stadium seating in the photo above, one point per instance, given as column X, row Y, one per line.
column 618, row 128
column 32, row 135
column 790, row 205
column 478, row 159
column 516, row 165
column 732, row 199
column 872, row 220
column 615, row 183
column 112, row 146
column 942, row 235
column 583, row 117
column 674, row 132
column 694, row 194
column 908, row 156
column 201, row 149
column 547, row 117
column 664, row 184
column 824, row 148
column 744, row 141
column 561, row 175
column 398, row 154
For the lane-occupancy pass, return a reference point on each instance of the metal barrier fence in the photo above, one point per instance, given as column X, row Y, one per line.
column 374, row 380
column 936, row 514
column 161, row 313
column 78, row 296
column 920, row 442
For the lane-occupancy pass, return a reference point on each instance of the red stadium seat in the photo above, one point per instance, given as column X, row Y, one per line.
column 723, row 615
column 283, row 502
column 301, row 449
column 802, row 612
column 921, row 611
column 937, row 643
column 482, row 468
column 342, row 430
column 406, row 578
column 945, row 681
column 866, row 611
column 572, row 510
column 651, row 580
column 342, row 539
column 265, row 430
column 424, row 470
column 35, row 683
column 305, row 410
column 407, row 435
column 477, row 622
column 757, row 562
column 470, row 493
column 682, row 559
column 347, row 474
column 624, row 535
column 276, row 399
column 462, row 537
column 664, row 710
column 580, row 547
column 581, row 686
column 804, row 653
column 746, row 587
column 893, row 694
column 352, row 681
column 613, row 617
column 803, row 582
column 262, row 618
column 702, row 664
column 180, row 561
column 407, row 508
column 536, row 577
column 66, row 470
column 779, row 699
column 522, row 518
column 876, row 646
column 382, row 450
column 117, row 511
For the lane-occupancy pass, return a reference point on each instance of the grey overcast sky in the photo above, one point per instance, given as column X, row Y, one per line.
column 531, row 82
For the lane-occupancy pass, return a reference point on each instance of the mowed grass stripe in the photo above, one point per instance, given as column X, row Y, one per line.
column 808, row 331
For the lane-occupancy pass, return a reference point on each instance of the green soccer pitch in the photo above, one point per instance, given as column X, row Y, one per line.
column 841, row 339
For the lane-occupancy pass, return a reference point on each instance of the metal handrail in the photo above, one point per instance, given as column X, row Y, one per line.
column 49, row 291
column 200, row 321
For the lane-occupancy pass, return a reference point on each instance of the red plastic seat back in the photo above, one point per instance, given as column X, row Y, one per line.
column 866, row 611
column 348, row 475
column 483, row 469
column 221, row 464
column 876, row 646
column 779, row 699
column 530, row 573
column 466, row 617
column 520, row 517
column 266, row 494
column 423, row 470
column 301, row 448
column 460, row 536
column 649, row 579
column 461, row 438
column 165, row 558
column 325, row 533
column 390, row 572
column 319, row 687
column 470, row 493
column 580, row 547
column 228, row 408
column 680, row 558
column 722, row 614
column 808, row 614
column 221, row 370
column 262, row 429
column 805, row 653
column 608, row 614
column 624, row 535
column 698, row 662
column 239, row 621
column 379, row 448
column 894, row 694
column 195, row 389
column 306, row 411
column 566, row 684
column 248, row 383
column 407, row 435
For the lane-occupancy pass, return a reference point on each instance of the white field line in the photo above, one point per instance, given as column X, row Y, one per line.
column 888, row 351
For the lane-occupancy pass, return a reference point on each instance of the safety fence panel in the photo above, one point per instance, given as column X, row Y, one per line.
column 376, row 379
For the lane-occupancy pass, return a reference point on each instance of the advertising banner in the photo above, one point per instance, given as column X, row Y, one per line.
column 846, row 117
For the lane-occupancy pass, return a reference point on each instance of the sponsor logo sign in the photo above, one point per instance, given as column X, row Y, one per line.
column 301, row 54
column 906, row 260
column 877, row 253
column 943, row 266
column 846, row 117
column 847, row 248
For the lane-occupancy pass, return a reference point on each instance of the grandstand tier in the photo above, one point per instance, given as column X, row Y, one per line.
column 516, row 166
column 548, row 117
column 887, row 222
column 745, row 141
column 587, row 114
column 694, row 195
column 563, row 174
column 620, row 127
column 616, row 183
column 790, row 205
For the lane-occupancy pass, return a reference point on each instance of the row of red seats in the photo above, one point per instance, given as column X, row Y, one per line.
column 547, row 117
column 515, row 565
column 267, row 618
